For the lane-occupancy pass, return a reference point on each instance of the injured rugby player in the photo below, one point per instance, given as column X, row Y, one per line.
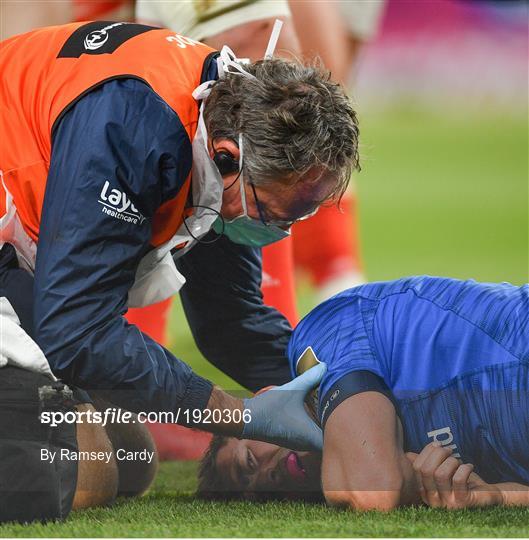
column 425, row 399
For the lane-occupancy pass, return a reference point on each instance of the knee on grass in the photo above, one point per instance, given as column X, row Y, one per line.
column 97, row 480
column 135, row 475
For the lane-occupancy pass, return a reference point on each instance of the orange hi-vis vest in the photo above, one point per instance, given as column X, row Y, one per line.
column 44, row 72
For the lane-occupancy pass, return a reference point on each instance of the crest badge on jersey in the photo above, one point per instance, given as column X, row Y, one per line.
column 306, row 360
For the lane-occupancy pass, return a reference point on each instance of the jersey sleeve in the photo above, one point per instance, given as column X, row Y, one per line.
column 336, row 332
column 117, row 155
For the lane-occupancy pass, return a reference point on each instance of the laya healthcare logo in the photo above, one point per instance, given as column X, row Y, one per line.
column 115, row 203
column 97, row 38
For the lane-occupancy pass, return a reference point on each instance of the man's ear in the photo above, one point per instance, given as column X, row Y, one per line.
column 225, row 145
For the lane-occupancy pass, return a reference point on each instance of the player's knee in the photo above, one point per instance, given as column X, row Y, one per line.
column 136, row 476
column 134, row 449
column 137, row 458
column 97, row 478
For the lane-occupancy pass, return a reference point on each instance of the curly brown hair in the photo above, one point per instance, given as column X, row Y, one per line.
column 211, row 483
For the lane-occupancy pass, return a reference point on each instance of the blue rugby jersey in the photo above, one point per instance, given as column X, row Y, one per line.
column 453, row 356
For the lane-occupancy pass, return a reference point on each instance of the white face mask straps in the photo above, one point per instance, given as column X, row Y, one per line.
column 227, row 62
column 272, row 42
column 241, row 177
column 227, row 58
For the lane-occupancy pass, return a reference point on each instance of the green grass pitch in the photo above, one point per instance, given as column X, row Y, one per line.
column 440, row 196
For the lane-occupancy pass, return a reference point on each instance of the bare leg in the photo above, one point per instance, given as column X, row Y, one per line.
column 136, row 475
column 322, row 32
column 249, row 40
column 97, row 481
column 17, row 17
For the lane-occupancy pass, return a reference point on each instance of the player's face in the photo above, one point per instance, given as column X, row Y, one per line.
column 255, row 466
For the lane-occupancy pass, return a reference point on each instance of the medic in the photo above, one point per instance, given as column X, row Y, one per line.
column 134, row 160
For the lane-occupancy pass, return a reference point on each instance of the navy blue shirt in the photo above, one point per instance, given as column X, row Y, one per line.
column 122, row 139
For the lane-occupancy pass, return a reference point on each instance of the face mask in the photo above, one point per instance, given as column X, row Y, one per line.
column 245, row 230
column 250, row 232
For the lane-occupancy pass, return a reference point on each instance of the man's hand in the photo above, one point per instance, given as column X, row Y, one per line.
column 445, row 482
column 279, row 416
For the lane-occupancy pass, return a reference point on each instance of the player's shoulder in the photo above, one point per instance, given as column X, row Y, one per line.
column 348, row 317
column 332, row 326
column 323, row 321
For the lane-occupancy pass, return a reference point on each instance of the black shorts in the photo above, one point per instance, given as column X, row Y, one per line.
column 31, row 487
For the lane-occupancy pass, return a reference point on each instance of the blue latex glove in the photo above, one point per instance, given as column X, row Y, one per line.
column 279, row 416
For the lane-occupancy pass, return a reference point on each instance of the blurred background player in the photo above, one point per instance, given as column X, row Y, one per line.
column 327, row 247
column 17, row 17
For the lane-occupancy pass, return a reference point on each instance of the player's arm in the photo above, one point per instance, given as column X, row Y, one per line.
column 513, row 494
column 223, row 303
column 445, row 482
column 364, row 466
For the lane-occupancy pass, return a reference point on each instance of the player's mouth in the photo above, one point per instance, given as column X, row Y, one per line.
column 294, row 467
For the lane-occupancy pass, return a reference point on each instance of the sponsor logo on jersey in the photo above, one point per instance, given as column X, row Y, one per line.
column 101, row 37
column 96, row 39
column 116, row 204
column 445, row 437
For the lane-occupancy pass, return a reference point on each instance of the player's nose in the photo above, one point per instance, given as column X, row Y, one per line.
column 268, row 475
column 275, row 471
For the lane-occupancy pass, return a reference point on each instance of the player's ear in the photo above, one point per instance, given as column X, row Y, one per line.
column 265, row 389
